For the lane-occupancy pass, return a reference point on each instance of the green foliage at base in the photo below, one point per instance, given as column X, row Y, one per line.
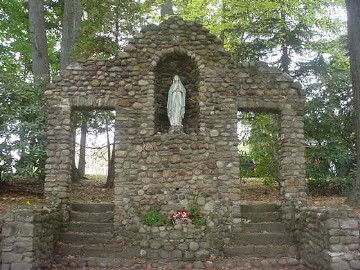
column 268, row 181
column 153, row 218
column 262, row 158
column 330, row 186
column 196, row 217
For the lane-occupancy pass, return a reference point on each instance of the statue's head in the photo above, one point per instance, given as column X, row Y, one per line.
column 176, row 79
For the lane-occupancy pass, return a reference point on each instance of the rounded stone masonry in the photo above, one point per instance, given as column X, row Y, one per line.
column 159, row 171
column 182, row 242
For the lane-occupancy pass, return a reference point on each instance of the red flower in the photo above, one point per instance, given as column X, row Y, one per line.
column 182, row 215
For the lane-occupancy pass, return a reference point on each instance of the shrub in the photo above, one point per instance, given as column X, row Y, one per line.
column 268, row 181
column 330, row 186
column 196, row 216
column 153, row 218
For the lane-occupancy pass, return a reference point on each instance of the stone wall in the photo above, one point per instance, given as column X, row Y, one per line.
column 160, row 171
column 28, row 238
column 185, row 244
column 328, row 238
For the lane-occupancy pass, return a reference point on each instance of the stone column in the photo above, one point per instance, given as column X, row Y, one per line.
column 292, row 161
column 59, row 148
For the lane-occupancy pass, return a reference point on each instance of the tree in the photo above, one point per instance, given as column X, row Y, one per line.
column 22, row 113
column 22, row 125
column 82, row 152
column 103, row 122
column 329, row 117
column 15, row 48
column 80, row 121
column 353, row 11
column 268, row 30
column 108, row 25
column 70, row 26
column 166, row 10
column 109, row 121
column 40, row 58
column 96, row 123
column 262, row 139
column 75, row 175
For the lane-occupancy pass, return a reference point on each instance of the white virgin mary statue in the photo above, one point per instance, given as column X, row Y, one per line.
column 176, row 103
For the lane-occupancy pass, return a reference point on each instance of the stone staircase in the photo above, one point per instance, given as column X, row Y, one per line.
column 260, row 240
column 87, row 241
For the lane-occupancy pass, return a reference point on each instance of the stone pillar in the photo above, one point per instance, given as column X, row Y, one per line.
column 292, row 162
column 59, row 149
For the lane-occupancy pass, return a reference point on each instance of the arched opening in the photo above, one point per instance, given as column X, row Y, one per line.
column 183, row 66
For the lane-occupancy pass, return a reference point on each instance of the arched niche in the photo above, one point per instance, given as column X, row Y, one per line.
column 167, row 67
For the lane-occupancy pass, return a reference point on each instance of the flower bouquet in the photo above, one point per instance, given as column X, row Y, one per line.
column 180, row 217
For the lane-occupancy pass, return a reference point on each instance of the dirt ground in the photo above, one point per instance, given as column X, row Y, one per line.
column 255, row 192
column 30, row 192
column 20, row 192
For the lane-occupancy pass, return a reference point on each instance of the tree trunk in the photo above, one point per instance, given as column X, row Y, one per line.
column 75, row 176
column 223, row 11
column 40, row 59
column 285, row 58
column 353, row 11
column 166, row 10
column 111, row 170
column 111, row 159
column 117, row 25
column 70, row 27
column 82, row 152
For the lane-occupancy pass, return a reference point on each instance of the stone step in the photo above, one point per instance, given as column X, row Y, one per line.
column 105, row 217
column 86, row 238
column 96, row 263
column 259, row 208
column 101, row 263
column 115, row 250
column 261, row 239
column 259, row 217
column 121, row 251
column 71, row 262
column 267, row 251
column 89, row 227
column 273, row 227
column 280, row 263
column 92, row 207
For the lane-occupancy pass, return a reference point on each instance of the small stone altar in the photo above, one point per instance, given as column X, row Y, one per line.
column 161, row 170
